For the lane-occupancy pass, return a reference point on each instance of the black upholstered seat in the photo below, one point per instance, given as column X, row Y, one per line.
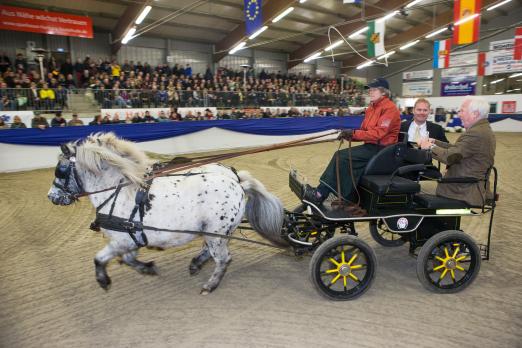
column 437, row 202
column 380, row 184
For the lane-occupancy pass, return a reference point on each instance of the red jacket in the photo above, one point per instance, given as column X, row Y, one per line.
column 381, row 124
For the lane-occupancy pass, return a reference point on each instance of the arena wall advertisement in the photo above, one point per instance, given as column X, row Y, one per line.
column 417, row 89
column 499, row 59
column 463, row 58
column 51, row 23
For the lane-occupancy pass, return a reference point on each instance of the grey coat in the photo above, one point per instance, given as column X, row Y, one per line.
column 471, row 156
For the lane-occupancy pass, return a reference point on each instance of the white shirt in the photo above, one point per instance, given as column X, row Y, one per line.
column 411, row 131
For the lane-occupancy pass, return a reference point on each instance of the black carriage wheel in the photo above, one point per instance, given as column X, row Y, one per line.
column 448, row 262
column 382, row 235
column 343, row 268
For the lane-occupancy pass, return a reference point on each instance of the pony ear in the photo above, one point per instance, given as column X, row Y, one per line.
column 65, row 150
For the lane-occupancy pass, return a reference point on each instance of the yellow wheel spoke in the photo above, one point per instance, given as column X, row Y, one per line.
column 443, row 274
column 342, row 257
column 353, row 276
column 452, row 272
column 438, row 267
column 334, row 262
column 356, row 267
column 456, row 252
column 352, row 259
column 459, row 268
column 460, row 258
column 336, row 278
column 446, row 252
column 344, row 281
column 440, row 258
column 329, row 271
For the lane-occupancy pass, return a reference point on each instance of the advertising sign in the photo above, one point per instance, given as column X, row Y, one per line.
column 458, row 87
column 499, row 59
column 417, row 75
column 417, row 89
column 509, row 107
column 463, row 58
column 51, row 23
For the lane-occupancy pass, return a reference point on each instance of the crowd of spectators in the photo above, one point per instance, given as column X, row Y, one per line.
column 135, row 85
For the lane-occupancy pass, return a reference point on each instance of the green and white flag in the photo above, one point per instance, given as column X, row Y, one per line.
column 375, row 38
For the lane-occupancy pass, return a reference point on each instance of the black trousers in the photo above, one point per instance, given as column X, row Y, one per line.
column 361, row 155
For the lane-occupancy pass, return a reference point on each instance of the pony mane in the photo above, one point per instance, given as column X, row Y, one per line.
column 122, row 154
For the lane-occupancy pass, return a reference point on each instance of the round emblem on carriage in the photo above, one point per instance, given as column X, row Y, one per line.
column 402, row 223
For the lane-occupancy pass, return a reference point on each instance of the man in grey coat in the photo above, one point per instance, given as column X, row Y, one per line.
column 471, row 156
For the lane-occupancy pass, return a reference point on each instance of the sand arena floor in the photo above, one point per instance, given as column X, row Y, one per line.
column 49, row 297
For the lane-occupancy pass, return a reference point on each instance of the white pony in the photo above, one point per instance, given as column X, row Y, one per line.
column 212, row 199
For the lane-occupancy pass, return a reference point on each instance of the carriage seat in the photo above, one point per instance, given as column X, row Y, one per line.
column 437, row 202
column 378, row 176
column 381, row 184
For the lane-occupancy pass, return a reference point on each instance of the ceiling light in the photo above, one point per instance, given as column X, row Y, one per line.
column 364, row 65
column 413, row 3
column 467, row 19
column 436, row 32
column 497, row 81
column 499, row 93
column 360, row 31
column 515, row 75
column 128, row 36
column 312, row 57
column 301, row 1
column 143, row 14
column 237, row 48
column 409, row 44
column 388, row 16
column 516, row 89
column 386, row 55
column 285, row 12
column 498, row 5
column 334, row 45
column 257, row 33
column 485, row 85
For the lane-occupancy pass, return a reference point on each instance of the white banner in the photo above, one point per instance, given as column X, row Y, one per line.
column 463, row 58
column 417, row 75
column 26, row 116
column 417, row 89
column 500, row 58
column 459, row 72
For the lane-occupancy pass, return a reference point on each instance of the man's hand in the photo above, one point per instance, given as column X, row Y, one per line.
column 426, row 143
column 345, row 134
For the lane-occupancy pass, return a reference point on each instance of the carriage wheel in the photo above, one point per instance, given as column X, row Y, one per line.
column 343, row 268
column 448, row 262
column 382, row 235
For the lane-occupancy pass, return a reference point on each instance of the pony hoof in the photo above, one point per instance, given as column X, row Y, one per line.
column 150, row 269
column 193, row 269
column 204, row 292
column 105, row 284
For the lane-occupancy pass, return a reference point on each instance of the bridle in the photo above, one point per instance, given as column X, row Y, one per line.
column 69, row 173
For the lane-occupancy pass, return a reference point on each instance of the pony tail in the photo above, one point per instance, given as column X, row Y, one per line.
column 264, row 211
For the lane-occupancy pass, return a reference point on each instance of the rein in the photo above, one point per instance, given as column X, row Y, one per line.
column 207, row 159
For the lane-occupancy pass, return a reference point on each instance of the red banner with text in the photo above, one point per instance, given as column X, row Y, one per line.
column 51, row 23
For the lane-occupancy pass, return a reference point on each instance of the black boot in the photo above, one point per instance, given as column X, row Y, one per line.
column 311, row 195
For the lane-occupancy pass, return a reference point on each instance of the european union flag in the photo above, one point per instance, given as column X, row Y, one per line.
column 253, row 16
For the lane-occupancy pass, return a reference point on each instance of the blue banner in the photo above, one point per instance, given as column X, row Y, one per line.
column 153, row 131
column 456, row 88
column 253, row 16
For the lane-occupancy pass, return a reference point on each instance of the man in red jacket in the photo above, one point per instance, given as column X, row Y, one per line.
column 380, row 128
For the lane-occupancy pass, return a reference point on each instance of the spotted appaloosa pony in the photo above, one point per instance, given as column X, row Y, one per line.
column 212, row 199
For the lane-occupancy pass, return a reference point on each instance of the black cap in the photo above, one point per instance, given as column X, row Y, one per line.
column 378, row 82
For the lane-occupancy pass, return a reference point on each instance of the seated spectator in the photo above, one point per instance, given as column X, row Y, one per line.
column 175, row 115
column 128, row 119
column 3, row 125
column 116, row 119
column 58, row 120
column 106, row 119
column 163, row 117
column 17, row 123
column 75, row 121
column 148, row 118
column 208, row 114
column 39, row 121
column 47, row 97
column 136, row 118
column 97, row 121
